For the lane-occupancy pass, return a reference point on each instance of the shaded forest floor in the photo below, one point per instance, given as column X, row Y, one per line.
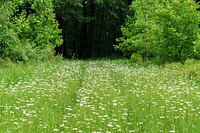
column 99, row 96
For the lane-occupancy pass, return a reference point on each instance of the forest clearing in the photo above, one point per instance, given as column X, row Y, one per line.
column 105, row 96
column 99, row 66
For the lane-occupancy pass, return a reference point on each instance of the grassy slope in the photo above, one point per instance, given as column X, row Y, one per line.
column 97, row 96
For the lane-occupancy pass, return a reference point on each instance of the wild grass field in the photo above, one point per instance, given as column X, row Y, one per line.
column 110, row 96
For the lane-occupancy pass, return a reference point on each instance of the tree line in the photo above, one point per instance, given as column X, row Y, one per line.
column 87, row 28
column 142, row 30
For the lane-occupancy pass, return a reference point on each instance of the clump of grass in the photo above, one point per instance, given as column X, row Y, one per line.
column 97, row 96
column 191, row 69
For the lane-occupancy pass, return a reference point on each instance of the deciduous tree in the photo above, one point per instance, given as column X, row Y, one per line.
column 166, row 30
column 28, row 35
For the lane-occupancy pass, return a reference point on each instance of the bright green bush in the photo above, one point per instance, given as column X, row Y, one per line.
column 166, row 30
column 136, row 58
column 7, row 34
column 191, row 70
column 28, row 36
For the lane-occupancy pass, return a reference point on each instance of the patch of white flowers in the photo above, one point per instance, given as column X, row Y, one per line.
column 99, row 97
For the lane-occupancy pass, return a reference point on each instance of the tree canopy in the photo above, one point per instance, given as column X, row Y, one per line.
column 160, row 30
column 29, row 30
column 164, row 30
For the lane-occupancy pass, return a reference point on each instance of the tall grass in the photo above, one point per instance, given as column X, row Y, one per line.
column 97, row 96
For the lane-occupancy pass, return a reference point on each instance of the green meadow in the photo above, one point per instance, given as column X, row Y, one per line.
column 102, row 96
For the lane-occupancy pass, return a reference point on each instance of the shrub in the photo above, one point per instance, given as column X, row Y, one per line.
column 28, row 35
column 191, row 69
column 136, row 58
column 166, row 30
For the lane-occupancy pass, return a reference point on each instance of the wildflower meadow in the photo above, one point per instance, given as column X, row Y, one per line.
column 112, row 96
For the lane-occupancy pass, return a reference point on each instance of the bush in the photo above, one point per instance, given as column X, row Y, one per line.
column 28, row 35
column 191, row 69
column 136, row 58
column 166, row 30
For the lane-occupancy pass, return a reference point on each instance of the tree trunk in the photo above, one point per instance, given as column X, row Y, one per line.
column 92, row 29
column 84, row 35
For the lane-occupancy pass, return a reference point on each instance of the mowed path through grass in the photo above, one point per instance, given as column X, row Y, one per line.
column 97, row 96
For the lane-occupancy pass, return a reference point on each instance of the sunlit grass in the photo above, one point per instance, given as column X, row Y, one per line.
column 97, row 96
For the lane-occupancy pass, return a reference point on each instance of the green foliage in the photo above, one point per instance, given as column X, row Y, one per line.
column 166, row 30
column 29, row 36
column 191, row 70
column 7, row 35
column 68, row 9
column 136, row 58
column 197, row 46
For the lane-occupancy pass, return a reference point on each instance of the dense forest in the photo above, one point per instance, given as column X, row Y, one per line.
column 35, row 29
column 90, row 27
